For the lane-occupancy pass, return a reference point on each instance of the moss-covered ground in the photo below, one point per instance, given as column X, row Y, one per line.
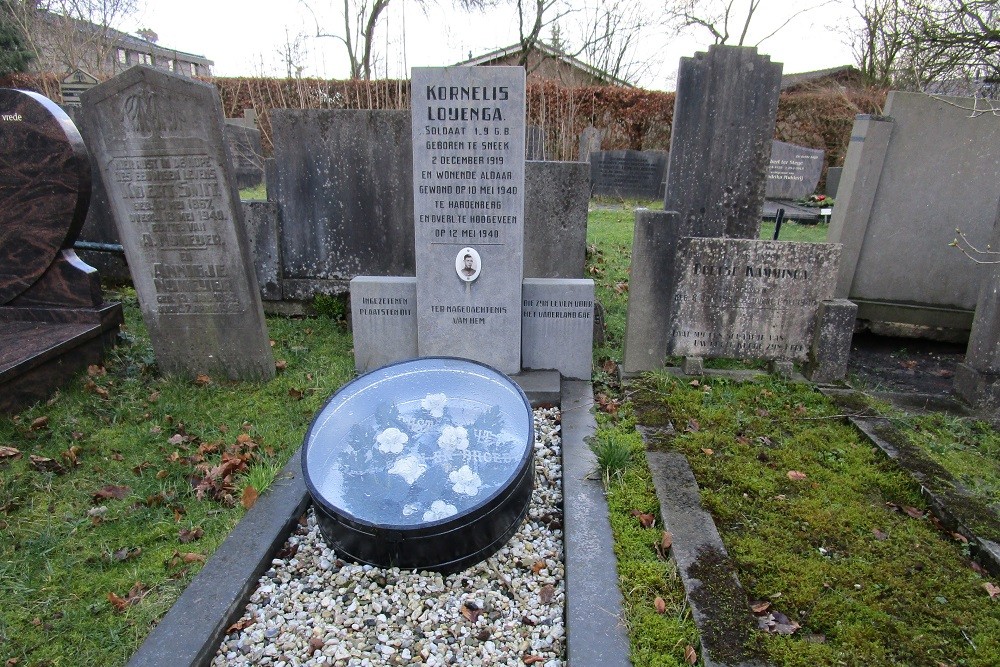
column 824, row 528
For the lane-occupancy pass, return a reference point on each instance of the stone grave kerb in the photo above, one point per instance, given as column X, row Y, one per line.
column 153, row 125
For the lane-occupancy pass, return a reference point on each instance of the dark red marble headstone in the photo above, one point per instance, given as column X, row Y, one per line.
column 44, row 187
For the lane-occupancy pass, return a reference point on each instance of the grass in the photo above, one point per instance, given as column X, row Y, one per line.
column 91, row 557
column 869, row 584
column 256, row 193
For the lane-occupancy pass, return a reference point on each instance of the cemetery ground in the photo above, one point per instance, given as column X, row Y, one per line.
column 113, row 494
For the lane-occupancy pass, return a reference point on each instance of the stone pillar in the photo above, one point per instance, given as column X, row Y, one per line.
column 832, row 336
column 978, row 379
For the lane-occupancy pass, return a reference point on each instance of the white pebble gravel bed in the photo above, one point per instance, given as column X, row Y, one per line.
column 311, row 608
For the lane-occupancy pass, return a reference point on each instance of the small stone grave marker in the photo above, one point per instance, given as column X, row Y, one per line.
column 793, row 172
column 170, row 183
column 637, row 174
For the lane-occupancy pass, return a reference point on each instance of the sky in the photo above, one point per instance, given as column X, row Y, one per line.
column 244, row 41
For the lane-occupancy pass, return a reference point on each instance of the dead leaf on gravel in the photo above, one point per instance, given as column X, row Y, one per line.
column 532, row 659
column 471, row 611
column 546, row 593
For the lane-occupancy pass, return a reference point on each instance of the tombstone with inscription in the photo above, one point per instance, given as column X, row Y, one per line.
column 53, row 317
column 719, row 151
column 468, row 185
column 793, row 172
column 170, row 183
column 636, row 174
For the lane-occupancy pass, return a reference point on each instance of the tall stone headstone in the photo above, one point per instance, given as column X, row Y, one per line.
column 468, row 184
column 170, row 183
column 977, row 379
column 720, row 142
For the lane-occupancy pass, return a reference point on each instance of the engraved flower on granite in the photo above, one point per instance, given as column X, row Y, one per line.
column 434, row 404
column 439, row 510
column 465, row 481
column 409, row 468
column 391, row 441
column 453, row 437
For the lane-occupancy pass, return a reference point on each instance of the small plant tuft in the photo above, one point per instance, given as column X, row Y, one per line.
column 333, row 306
column 614, row 455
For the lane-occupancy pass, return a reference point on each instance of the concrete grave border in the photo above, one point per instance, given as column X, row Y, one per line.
column 191, row 632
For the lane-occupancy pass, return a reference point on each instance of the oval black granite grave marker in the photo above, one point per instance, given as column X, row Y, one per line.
column 423, row 464
column 44, row 187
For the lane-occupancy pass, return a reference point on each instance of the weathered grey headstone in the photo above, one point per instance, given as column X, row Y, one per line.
column 247, row 151
column 749, row 299
column 831, row 347
column 910, row 178
column 793, row 172
column 534, row 143
column 635, row 174
column 384, row 320
column 558, row 326
column 590, row 141
column 468, row 184
column 344, row 188
column 555, row 219
column 263, row 227
column 721, row 140
column 833, row 175
column 170, row 184
column 654, row 252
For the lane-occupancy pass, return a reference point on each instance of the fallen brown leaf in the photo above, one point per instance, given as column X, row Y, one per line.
column 532, row 659
column 659, row 605
column 249, row 497
column 690, row 655
column 471, row 611
column 190, row 534
column 280, row 365
column 297, row 394
column 760, row 606
column 538, row 566
column 8, row 454
column 666, row 541
column 39, row 423
column 693, row 426
column 546, row 593
column 646, row 520
column 202, row 380
column 879, row 535
column 45, row 464
column 992, row 589
column 707, row 451
column 913, row 512
column 796, row 476
column 110, row 491
column 125, row 553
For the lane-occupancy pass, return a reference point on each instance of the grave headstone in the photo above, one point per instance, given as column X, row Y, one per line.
column 633, row 174
column 343, row 186
column 748, row 299
column 169, row 180
column 720, row 142
column 555, row 219
column 534, row 143
column 910, row 178
column 793, row 172
column 384, row 320
column 53, row 318
column 590, row 141
column 833, row 175
column 468, row 184
column 248, row 153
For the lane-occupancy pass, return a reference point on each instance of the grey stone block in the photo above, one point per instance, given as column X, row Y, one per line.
column 782, row 369
column 978, row 388
column 555, row 219
column 170, row 184
column 693, row 366
column 557, row 327
column 721, row 140
column 384, row 320
column 263, row 229
column 831, row 347
column 654, row 248
column 833, row 175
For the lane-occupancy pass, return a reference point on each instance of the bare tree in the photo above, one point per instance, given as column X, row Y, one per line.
column 611, row 33
column 64, row 35
column 909, row 43
column 723, row 18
